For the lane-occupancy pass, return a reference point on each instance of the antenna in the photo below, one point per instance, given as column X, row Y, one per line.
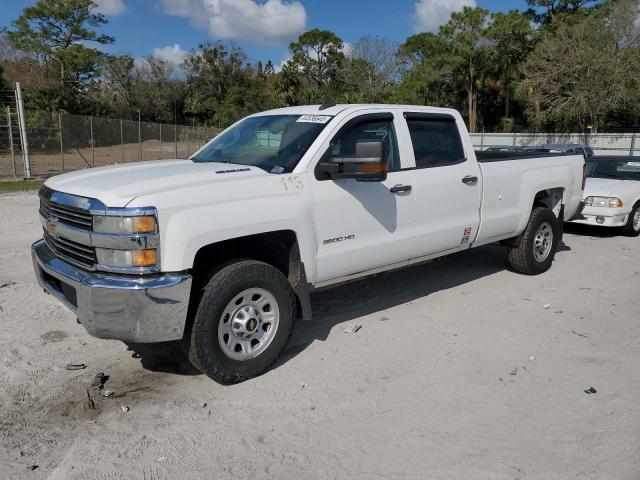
column 326, row 105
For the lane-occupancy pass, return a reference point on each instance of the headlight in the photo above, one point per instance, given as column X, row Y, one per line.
column 611, row 202
column 615, row 202
column 127, row 258
column 117, row 224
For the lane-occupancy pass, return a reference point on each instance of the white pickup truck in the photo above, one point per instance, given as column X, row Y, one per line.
column 222, row 250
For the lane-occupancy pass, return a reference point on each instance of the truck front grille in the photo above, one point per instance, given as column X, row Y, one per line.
column 65, row 214
column 83, row 256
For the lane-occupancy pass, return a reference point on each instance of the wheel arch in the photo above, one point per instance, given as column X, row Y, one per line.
column 279, row 248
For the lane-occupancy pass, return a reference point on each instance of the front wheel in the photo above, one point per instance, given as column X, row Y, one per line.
column 242, row 323
column 536, row 247
column 632, row 228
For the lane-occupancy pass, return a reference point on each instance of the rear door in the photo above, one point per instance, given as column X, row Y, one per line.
column 446, row 181
column 363, row 225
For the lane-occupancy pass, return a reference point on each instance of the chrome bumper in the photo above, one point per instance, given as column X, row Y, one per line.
column 144, row 309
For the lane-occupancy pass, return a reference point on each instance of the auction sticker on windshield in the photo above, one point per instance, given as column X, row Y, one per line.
column 314, row 119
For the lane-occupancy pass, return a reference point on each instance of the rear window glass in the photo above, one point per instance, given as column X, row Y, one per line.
column 436, row 142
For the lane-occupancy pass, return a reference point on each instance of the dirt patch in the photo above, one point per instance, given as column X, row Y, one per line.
column 53, row 336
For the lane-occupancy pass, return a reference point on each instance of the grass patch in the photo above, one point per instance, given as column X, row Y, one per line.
column 20, row 185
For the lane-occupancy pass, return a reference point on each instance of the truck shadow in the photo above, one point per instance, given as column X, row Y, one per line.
column 351, row 301
column 592, row 230
column 386, row 290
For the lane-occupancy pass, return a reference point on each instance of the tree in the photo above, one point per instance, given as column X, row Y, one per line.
column 58, row 31
column 511, row 35
column 547, row 11
column 465, row 35
column 584, row 71
column 372, row 67
column 426, row 79
column 318, row 57
column 211, row 73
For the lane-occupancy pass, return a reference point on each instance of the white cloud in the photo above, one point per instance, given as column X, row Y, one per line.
column 347, row 49
column 431, row 14
column 109, row 7
column 174, row 54
column 286, row 59
column 273, row 21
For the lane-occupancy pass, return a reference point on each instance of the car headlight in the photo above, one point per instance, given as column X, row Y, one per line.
column 127, row 258
column 118, row 224
column 611, row 202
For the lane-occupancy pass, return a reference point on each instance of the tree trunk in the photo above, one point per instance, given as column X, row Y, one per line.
column 506, row 105
column 471, row 100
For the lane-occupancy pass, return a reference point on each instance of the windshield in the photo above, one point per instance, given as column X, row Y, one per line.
column 275, row 143
column 623, row 169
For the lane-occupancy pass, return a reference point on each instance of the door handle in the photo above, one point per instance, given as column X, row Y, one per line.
column 400, row 188
column 470, row 180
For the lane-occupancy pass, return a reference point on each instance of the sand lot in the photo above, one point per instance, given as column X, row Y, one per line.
column 458, row 372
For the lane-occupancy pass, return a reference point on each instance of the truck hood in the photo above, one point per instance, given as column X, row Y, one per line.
column 118, row 185
column 610, row 187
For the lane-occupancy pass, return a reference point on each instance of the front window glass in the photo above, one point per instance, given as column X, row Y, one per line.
column 275, row 143
column 623, row 169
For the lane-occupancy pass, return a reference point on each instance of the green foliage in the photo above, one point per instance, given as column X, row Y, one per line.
column 20, row 185
column 57, row 30
column 318, row 56
column 561, row 63
column 582, row 72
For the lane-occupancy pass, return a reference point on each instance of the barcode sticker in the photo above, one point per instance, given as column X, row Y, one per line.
column 314, row 119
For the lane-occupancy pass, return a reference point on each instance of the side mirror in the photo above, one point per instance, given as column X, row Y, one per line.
column 369, row 164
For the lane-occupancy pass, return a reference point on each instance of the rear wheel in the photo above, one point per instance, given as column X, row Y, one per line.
column 242, row 323
column 536, row 248
column 632, row 228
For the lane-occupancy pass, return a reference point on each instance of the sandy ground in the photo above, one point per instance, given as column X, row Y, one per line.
column 46, row 164
column 458, row 372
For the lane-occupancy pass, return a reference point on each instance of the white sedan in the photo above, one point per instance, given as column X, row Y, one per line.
column 612, row 193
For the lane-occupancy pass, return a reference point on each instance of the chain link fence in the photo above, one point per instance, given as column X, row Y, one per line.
column 61, row 142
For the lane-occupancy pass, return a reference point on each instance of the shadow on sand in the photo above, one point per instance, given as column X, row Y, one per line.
column 353, row 300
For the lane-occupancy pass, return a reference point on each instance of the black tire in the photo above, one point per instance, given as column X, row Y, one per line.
column 629, row 229
column 204, row 349
column 522, row 256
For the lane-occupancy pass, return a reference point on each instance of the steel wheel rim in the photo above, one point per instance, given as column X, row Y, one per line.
column 636, row 220
column 542, row 242
column 248, row 324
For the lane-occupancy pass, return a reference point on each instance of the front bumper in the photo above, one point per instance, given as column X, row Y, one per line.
column 609, row 217
column 144, row 309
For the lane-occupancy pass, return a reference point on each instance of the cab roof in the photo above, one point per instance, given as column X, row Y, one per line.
column 334, row 110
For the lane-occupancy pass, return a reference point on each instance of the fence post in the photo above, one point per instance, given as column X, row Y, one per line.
column 10, row 132
column 187, row 141
column 175, row 138
column 633, row 144
column 161, row 156
column 23, row 132
column 482, row 140
column 93, row 155
column 121, row 141
column 139, row 139
column 61, row 145
column 515, row 138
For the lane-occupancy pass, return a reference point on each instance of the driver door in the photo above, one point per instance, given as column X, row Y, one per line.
column 361, row 226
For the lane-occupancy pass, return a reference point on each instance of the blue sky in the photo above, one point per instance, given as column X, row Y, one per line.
column 263, row 28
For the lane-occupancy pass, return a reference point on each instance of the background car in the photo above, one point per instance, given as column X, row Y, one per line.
column 568, row 148
column 612, row 193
